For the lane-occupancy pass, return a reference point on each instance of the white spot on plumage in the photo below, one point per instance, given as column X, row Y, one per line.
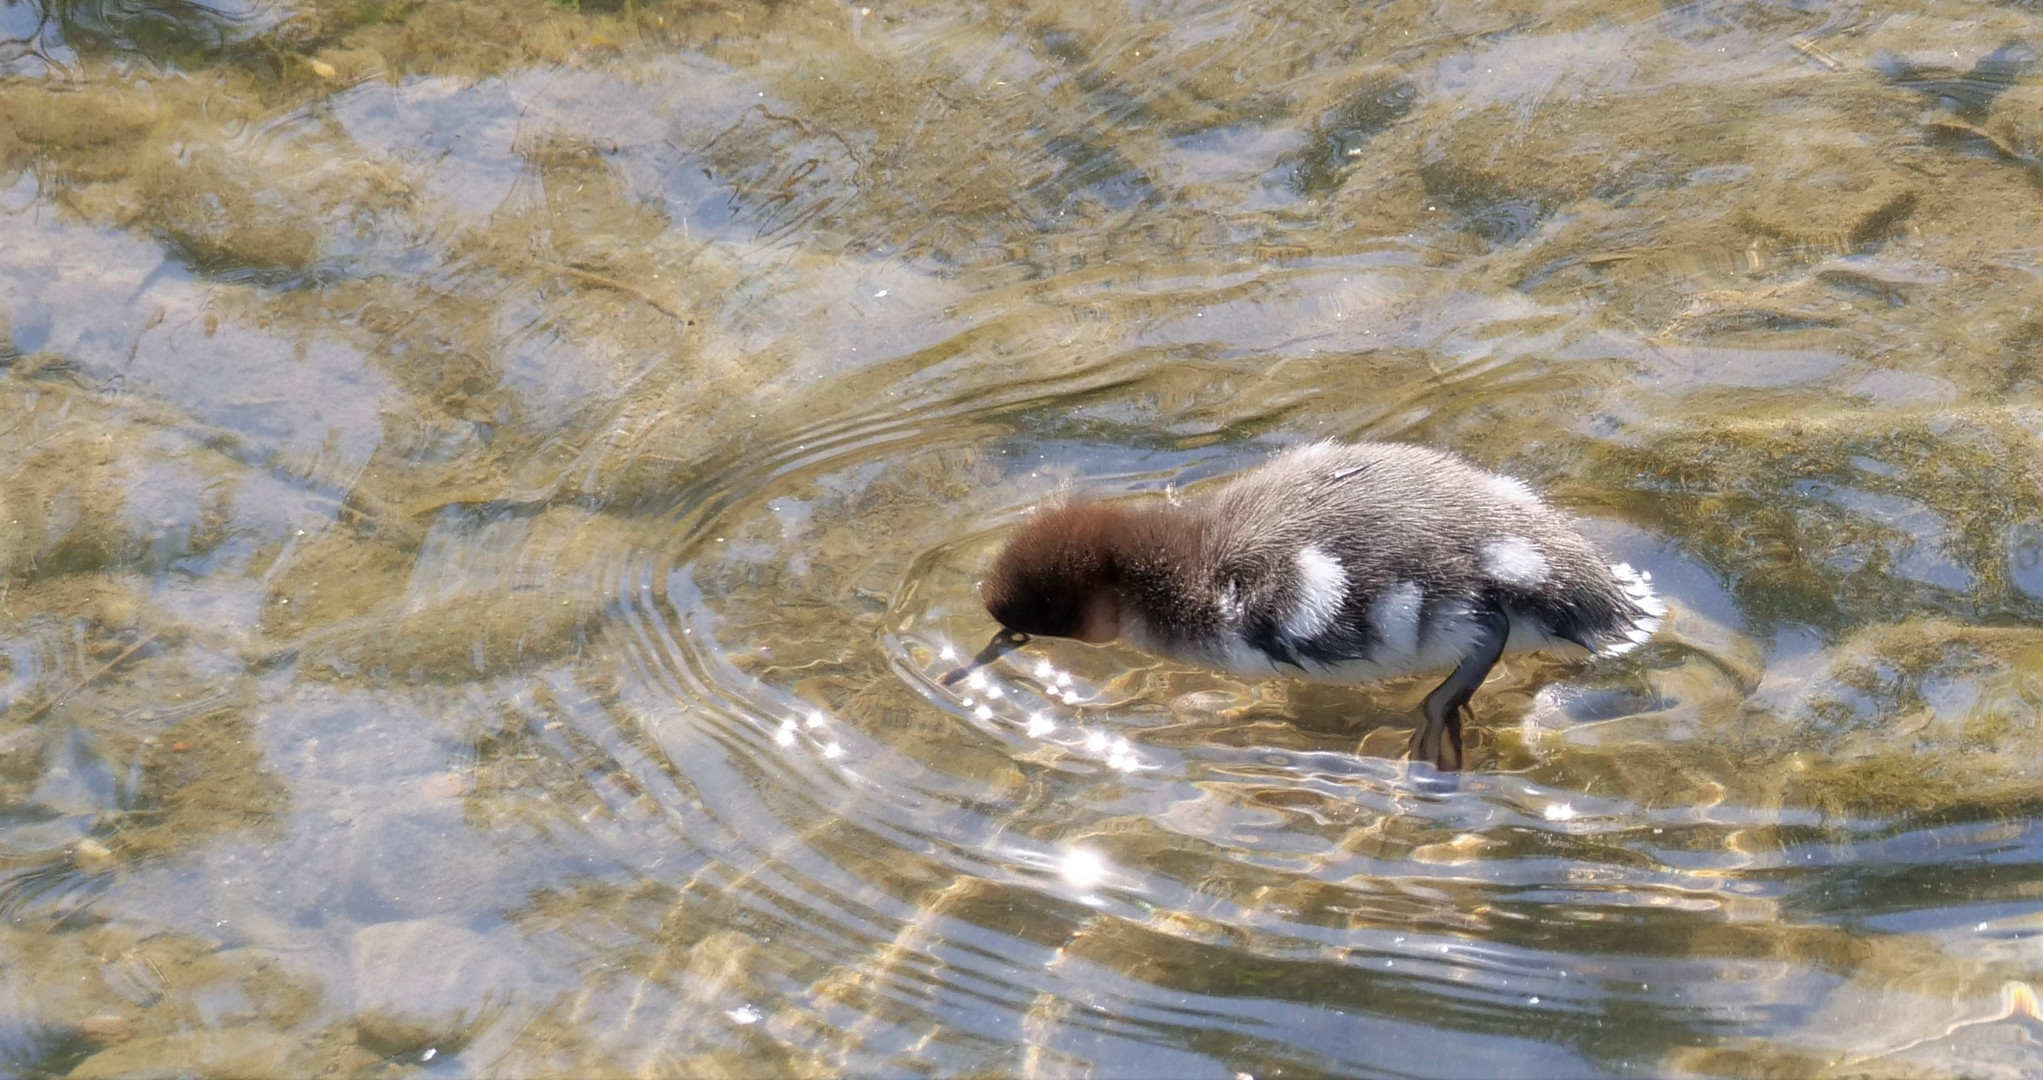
column 1514, row 561
column 1314, row 450
column 1637, row 586
column 1230, row 603
column 1322, row 585
column 1511, row 489
column 1637, row 589
column 1395, row 615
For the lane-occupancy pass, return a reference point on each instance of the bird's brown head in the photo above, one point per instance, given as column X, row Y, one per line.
column 1057, row 576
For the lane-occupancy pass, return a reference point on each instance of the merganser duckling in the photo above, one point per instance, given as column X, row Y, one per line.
column 1340, row 563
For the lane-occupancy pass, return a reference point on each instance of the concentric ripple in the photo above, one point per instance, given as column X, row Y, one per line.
column 1126, row 864
column 488, row 488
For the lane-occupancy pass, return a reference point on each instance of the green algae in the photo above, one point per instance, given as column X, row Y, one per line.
column 1776, row 325
column 1754, row 493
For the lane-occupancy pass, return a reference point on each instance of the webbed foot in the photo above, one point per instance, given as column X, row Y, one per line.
column 1439, row 741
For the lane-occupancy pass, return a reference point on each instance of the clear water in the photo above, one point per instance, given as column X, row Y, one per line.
column 488, row 487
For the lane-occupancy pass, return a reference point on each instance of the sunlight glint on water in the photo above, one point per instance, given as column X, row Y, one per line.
column 490, row 488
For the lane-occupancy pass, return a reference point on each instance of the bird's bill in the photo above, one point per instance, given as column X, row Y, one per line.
column 1004, row 642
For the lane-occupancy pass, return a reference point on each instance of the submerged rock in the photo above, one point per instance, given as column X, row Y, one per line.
column 1919, row 715
column 227, row 1054
column 423, row 983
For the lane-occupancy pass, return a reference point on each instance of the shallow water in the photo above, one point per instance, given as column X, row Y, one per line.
column 489, row 487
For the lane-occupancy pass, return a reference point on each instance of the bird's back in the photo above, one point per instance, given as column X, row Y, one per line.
column 1357, row 561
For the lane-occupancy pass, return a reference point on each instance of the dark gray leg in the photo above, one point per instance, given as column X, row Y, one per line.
column 1438, row 739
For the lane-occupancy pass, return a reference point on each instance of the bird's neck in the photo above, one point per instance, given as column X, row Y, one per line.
column 1160, row 566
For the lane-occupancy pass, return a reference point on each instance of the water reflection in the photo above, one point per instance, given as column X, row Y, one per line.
column 489, row 489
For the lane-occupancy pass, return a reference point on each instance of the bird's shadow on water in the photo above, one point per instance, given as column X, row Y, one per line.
column 1376, row 720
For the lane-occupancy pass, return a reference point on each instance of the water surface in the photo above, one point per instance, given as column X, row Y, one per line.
column 488, row 487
